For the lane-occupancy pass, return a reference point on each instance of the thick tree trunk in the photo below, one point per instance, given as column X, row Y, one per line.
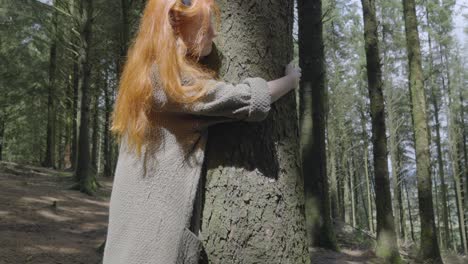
column 387, row 246
column 254, row 198
column 84, row 172
column 429, row 245
column 312, row 122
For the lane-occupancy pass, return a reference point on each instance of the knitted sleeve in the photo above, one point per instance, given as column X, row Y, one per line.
column 248, row 100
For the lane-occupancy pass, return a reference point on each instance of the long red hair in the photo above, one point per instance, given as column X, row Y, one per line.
column 159, row 41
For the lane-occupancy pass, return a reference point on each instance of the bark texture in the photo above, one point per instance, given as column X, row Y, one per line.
column 253, row 207
column 387, row 246
column 312, row 122
column 429, row 250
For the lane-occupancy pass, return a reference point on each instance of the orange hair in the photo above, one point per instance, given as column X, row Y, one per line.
column 158, row 41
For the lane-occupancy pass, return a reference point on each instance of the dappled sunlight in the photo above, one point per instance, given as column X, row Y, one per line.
column 51, row 249
column 53, row 216
column 4, row 213
column 41, row 200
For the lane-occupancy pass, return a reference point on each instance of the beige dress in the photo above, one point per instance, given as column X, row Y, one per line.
column 152, row 197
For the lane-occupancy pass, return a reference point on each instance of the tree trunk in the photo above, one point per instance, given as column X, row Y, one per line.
column 429, row 245
column 454, row 132
column 84, row 172
column 445, row 237
column 400, row 196
column 333, row 181
column 409, row 212
column 49, row 158
column 2, row 135
column 312, row 122
column 254, row 197
column 370, row 216
column 352, row 187
column 96, row 134
column 107, row 171
column 387, row 246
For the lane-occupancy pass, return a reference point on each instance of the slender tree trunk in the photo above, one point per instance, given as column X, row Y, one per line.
column 387, row 246
column 463, row 142
column 124, row 32
column 346, row 189
column 352, row 192
column 2, row 135
column 342, row 189
column 49, row 158
column 396, row 178
column 429, row 246
column 456, row 166
column 400, row 195
column 254, row 207
column 370, row 216
column 408, row 199
column 333, row 181
column 76, row 7
column 96, row 134
column 437, row 211
column 107, row 171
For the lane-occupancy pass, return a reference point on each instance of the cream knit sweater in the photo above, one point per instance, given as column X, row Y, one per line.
column 152, row 197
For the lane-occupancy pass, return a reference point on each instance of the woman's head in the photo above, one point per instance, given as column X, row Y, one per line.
column 173, row 34
column 195, row 28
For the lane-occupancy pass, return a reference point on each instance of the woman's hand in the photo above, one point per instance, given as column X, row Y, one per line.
column 294, row 72
column 282, row 86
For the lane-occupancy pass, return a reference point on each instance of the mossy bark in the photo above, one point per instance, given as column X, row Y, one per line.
column 387, row 246
column 429, row 250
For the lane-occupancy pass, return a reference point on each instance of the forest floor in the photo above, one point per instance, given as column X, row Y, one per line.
column 34, row 231
column 356, row 247
column 42, row 221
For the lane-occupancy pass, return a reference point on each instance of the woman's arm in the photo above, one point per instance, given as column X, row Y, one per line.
column 248, row 100
column 283, row 85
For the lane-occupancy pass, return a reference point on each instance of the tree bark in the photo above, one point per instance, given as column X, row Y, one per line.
column 96, row 134
column 107, row 171
column 84, row 172
column 387, row 246
column 312, row 123
column 429, row 250
column 2, row 135
column 253, row 209
column 410, row 216
column 49, row 158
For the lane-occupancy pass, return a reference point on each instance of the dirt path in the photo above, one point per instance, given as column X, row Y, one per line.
column 32, row 230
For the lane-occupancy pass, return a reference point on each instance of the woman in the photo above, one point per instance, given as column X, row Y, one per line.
column 165, row 104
